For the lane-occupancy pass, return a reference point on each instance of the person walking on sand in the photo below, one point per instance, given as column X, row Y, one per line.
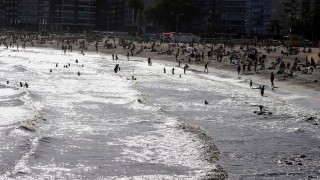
column 184, row 69
column 128, row 56
column 206, row 68
column 172, row 71
column 262, row 90
column 149, row 61
column 238, row 69
column 250, row 84
column 272, row 79
column 164, row 70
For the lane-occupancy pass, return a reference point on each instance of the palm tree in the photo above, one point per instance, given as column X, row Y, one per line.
column 136, row 5
column 274, row 26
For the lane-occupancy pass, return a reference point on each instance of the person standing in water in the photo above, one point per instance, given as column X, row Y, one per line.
column 238, row 69
column 149, row 61
column 262, row 90
column 206, row 68
column 272, row 79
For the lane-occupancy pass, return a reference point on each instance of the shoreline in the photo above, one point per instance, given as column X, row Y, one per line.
column 301, row 84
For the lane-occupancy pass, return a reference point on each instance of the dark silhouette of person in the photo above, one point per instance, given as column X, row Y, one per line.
column 149, row 61
column 272, row 79
column 238, row 69
column 172, row 71
column 206, row 68
column 250, row 84
column 78, row 73
column 164, row 70
column 262, row 90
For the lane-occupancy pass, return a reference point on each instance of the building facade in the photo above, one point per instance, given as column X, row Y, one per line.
column 2, row 13
column 27, row 14
column 73, row 15
column 11, row 13
column 231, row 16
column 286, row 11
column 258, row 15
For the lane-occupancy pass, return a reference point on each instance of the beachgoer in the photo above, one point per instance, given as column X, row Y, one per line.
column 250, row 84
column 164, row 70
column 128, row 56
column 238, row 69
column 272, row 79
column 206, row 70
column 172, row 71
column 78, row 73
column 262, row 90
column 149, row 61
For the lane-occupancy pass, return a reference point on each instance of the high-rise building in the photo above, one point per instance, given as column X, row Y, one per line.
column 258, row 15
column 231, row 15
column 11, row 13
column 2, row 13
column 74, row 15
column 286, row 11
column 27, row 14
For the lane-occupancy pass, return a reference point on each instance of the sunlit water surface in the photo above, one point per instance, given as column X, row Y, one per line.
column 95, row 128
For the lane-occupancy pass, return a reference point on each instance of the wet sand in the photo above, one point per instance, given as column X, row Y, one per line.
column 300, row 83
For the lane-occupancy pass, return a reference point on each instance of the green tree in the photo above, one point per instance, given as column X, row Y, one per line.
column 169, row 13
column 274, row 27
column 297, row 26
column 137, row 6
column 308, row 25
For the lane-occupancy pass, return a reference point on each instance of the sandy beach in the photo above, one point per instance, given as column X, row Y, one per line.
column 299, row 81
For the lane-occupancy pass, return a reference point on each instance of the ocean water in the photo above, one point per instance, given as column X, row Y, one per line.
column 92, row 126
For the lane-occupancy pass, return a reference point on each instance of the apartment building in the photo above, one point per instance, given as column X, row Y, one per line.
column 11, row 13
column 258, row 15
column 27, row 14
column 74, row 15
column 285, row 11
column 2, row 13
column 231, row 16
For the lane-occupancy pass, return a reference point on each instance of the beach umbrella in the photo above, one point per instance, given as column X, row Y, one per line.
column 189, row 49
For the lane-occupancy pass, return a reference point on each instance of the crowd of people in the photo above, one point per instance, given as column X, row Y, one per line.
column 246, row 59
